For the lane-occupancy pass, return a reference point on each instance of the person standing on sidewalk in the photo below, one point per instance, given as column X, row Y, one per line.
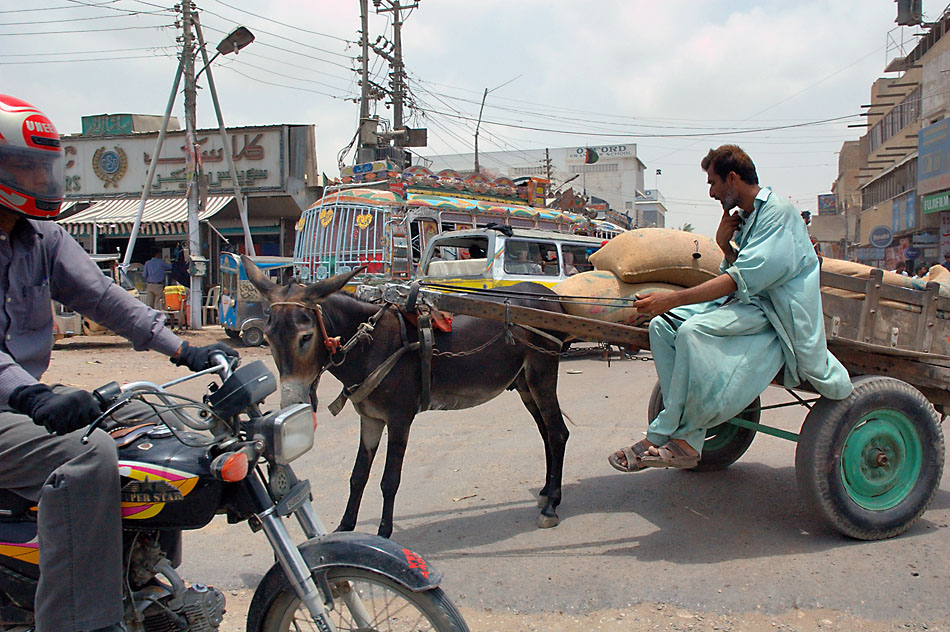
column 155, row 269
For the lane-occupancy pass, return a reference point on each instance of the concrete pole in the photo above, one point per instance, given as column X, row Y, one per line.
column 151, row 168
column 226, row 141
column 194, row 235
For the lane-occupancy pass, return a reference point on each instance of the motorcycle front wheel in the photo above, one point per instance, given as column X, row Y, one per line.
column 365, row 601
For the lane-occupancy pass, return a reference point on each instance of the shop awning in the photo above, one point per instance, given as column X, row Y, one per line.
column 162, row 216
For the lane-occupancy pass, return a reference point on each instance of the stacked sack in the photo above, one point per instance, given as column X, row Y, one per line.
column 937, row 274
column 639, row 262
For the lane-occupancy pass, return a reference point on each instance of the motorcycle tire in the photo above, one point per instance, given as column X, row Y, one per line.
column 390, row 605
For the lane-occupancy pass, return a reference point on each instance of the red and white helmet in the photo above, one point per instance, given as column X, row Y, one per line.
column 31, row 161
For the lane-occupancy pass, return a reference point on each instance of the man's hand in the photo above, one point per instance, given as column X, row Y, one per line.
column 728, row 226
column 199, row 358
column 656, row 303
column 59, row 413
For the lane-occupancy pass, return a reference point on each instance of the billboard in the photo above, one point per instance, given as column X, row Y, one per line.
column 101, row 166
column 933, row 161
column 827, row 204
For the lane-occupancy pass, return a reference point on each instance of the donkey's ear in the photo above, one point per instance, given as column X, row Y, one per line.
column 258, row 279
column 326, row 287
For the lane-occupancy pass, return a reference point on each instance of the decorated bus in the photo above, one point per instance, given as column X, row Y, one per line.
column 382, row 219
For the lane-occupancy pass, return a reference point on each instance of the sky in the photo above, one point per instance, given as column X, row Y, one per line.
column 784, row 80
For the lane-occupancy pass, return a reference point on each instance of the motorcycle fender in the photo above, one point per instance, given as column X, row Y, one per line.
column 358, row 550
column 373, row 553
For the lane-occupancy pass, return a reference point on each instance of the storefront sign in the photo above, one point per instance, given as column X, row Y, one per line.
column 937, row 202
column 880, row 236
column 911, row 253
column 944, row 233
column 119, row 164
column 933, row 162
column 827, row 204
column 579, row 154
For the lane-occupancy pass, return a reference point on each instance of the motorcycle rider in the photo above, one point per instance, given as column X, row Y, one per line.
column 42, row 459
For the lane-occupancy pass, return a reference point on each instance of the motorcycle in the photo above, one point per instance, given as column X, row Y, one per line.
column 187, row 461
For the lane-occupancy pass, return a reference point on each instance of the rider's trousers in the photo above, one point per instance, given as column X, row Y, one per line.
column 78, row 522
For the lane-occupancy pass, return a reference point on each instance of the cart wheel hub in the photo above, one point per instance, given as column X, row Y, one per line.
column 881, row 460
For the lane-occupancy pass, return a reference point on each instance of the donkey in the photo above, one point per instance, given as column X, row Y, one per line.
column 305, row 319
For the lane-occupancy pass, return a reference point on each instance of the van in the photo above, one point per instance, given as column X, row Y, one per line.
column 501, row 255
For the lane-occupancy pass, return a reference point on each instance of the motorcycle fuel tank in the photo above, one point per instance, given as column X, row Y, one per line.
column 167, row 484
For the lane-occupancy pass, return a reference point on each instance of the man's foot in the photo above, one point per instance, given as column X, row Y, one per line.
column 630, row 459
column 675, row 453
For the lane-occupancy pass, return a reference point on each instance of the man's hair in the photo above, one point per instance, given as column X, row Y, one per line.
column 156, row 252
column 731, row 158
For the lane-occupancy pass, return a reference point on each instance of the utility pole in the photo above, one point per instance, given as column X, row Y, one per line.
column 364, row 74
column 397, row 89
column 548, row 171
column 191, row 163
column 478, row 126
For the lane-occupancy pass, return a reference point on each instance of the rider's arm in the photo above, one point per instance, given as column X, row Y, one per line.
column 12, row 376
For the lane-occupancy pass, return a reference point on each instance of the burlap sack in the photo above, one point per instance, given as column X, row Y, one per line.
column 660, row 254
column 859, row 270
column 592, row 288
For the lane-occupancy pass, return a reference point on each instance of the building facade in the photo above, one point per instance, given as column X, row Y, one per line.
column 650, row 210
column 903, row 162
column 611, row 172
column 106, row 172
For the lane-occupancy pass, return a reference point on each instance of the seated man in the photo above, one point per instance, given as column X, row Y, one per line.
column 719, row 344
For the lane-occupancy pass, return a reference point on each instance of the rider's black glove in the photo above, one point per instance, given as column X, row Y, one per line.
column 59, row 413
column 199, row 358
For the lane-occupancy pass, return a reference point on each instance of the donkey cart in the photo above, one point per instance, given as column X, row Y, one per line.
column 870, row 464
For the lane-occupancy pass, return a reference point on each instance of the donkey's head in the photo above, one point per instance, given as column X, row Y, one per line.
column 293, row 330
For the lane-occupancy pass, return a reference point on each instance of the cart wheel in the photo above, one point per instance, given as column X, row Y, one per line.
column 252, row 336
column 724, row 443
column 232, row 333
column 871, row 463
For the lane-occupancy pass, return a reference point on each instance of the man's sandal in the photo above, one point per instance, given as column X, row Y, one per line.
column 670, row 454
column 633, row 457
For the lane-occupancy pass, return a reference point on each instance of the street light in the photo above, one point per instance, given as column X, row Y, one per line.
column 238, row 38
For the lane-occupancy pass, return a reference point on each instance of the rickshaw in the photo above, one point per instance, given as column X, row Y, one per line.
column 241, row 310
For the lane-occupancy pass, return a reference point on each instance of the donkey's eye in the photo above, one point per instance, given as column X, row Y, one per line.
column 305, row 339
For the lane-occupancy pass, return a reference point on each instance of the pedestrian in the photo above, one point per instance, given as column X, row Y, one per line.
column 155, row 269
column 75, row 486
column 946, row 261
column 718, row 345
column 922, row 271
column 179, row 270
column 900, row 268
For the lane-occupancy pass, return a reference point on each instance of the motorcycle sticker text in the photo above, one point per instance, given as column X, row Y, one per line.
column 416, row 562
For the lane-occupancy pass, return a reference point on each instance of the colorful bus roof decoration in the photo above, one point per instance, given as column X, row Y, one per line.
column 369, row 172
column 458, row 204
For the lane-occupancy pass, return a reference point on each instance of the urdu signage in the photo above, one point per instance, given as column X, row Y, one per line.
column 880, row 236
column 933, row 158
column 115, row 165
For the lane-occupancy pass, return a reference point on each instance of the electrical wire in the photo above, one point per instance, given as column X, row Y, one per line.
column 286, row 50
column 291, row 26
column 119, row 28
column 83, row 52
column 259, row 30
column 70, row 61
column 281, row 85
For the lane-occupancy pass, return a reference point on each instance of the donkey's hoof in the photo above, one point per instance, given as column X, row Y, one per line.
column 542, row 501
column 546, row 522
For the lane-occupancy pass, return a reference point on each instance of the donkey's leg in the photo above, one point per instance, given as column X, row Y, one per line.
column 398, row 437
column 541, row 378
column 521, row 385
column 371, row 430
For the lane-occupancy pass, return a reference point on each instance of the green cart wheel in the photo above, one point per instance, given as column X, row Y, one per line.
column 724, row 443
column 871, row 463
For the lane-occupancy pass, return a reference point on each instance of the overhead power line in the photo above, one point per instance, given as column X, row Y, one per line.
column 290, row 26
column 286, row 50
column 118, row 28
column 72, row 60
column 652, row 135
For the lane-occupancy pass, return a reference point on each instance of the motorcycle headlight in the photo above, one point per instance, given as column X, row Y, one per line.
column 287, row 433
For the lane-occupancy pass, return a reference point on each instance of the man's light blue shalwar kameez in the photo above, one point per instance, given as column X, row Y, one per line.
column 713, row 359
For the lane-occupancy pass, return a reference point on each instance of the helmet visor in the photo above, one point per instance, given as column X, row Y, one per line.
column 35, row 173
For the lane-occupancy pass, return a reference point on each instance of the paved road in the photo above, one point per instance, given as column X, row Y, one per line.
column 736, row 541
